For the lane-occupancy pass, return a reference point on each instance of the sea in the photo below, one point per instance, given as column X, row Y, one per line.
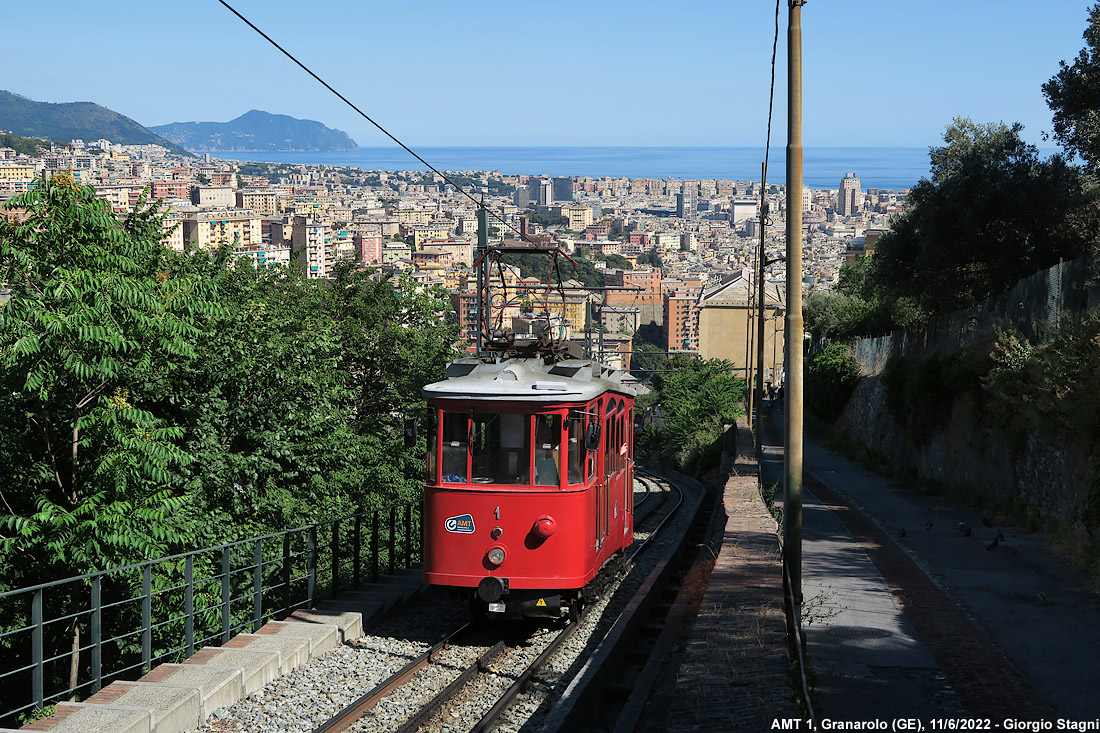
column 882, row 168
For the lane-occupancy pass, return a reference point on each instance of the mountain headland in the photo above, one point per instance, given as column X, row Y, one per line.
column 256, row 130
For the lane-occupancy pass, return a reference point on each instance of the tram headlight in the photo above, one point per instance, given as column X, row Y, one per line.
column 496, row 556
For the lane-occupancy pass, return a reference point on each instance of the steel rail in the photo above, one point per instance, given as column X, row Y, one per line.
column 351, row 713
column 481, row 664
column 523, row 680
column 488, row 721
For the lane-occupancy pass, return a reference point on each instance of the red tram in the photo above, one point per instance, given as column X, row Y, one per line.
column 529, row 486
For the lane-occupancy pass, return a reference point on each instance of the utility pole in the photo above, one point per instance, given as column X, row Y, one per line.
column 761, row 262
column 792, row 454
column 482, row 273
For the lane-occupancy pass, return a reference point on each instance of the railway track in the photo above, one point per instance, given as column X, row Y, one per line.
column 487, row 678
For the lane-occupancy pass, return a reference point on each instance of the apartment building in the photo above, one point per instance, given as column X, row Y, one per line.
column 16, row 172
column 368, row 248
column 264, row 201
column 213, row 196
column 681, row 314
column 170, row 190
column 207, row 228
column 310, row 246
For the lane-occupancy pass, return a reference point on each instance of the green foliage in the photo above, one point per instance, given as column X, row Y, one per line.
column 697, row 400
column 1072, row 95
column 651, row 258
column 617, row 261
column 646, row 358
column 153, row 400
column 22, row 145
column 920, row 394
column 831, row 377
column 94, row 317
column 542, row 266
column 545, row 218
column 1051, row 387
column 991, row 213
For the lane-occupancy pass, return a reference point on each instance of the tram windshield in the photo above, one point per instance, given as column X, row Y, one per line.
column 507, row 448
column 499, row 448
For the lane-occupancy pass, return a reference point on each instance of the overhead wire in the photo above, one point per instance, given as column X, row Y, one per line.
column 369, row 119
column 497, row 256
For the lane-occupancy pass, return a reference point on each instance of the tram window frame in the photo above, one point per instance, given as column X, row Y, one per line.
column 455, row 424
column 547, row 452
column 490, row 458
column 574, row 451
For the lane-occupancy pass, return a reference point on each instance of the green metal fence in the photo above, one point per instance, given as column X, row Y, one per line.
column 68, row 638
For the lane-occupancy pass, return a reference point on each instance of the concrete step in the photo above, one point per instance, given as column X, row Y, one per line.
column 322, row 637
column 292, row 651
column 172, row 708
column 349, row 624
column 257, row 667
column 83, row 718
column 217, row 686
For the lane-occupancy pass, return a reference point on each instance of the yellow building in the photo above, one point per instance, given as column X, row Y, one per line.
column 727, row 328
column 209, row 228
column 16, row 172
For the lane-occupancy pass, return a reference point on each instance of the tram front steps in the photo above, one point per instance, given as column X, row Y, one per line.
column 177, row 697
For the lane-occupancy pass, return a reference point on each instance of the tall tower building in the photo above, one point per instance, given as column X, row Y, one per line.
column 849, row 198
column 545, row 192
column 685, row 205
column 563, row 189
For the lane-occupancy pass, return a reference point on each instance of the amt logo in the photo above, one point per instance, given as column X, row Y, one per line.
column 463, row 524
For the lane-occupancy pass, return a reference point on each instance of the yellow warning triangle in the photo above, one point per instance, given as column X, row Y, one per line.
column 542, row 602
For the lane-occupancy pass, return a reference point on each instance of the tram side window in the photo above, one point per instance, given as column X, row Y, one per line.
column 499, row 448
column 592, row 453
column 576, row 450
column 548, row 450
column 429, row 435
column 455, row 436
column 611, row 468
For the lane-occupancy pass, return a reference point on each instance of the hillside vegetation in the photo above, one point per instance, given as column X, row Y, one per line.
column 28, row 146
column 74, row 120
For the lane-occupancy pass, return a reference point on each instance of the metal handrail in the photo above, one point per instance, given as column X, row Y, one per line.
column 114, row 625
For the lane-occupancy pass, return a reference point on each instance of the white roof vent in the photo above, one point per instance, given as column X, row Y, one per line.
column 551, row 386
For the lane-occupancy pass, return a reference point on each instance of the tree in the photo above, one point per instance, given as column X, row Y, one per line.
column 652, row 258
column 1073, row 94
column 97, row 315
column 646, row 358
column 991, row 213
column 698, row 399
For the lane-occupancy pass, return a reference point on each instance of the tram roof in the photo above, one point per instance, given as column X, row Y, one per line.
column 517, row 379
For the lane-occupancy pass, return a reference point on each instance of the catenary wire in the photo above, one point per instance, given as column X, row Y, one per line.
column 367, row 117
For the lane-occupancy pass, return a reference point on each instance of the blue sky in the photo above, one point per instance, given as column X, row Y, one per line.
column 600, row 72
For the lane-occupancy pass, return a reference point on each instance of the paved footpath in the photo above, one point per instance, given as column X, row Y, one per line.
column 908, row 614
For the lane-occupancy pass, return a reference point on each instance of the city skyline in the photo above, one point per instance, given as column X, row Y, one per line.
column 876, row 75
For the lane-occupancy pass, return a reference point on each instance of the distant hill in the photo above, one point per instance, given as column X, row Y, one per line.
column 256, row 131
column 66, row 121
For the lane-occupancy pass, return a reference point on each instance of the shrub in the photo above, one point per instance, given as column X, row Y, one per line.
column 831, row 377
